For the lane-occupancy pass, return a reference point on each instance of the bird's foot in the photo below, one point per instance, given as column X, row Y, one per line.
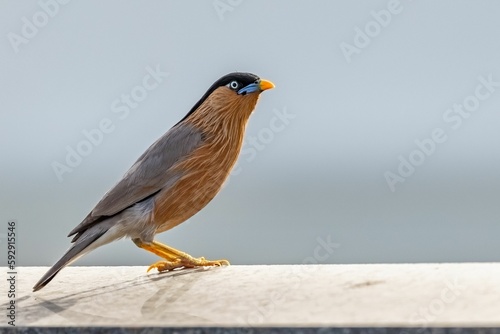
column 187, row 262
column 174, row 258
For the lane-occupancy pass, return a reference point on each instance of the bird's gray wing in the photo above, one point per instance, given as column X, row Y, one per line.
column 149, row 174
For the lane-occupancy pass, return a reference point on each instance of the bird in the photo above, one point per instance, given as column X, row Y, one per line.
column 175, row 178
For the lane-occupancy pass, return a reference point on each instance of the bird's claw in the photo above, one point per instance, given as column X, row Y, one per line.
column 187, row 263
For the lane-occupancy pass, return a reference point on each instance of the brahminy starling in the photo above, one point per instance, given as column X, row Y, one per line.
column 175, row 178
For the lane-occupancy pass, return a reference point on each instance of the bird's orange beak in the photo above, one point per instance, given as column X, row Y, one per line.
column 265, row 85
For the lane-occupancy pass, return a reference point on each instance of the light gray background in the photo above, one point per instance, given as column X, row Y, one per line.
column 321, row 177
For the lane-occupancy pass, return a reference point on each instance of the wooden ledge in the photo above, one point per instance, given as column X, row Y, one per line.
column 415, row 297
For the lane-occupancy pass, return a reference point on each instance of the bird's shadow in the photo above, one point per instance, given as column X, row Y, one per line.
column 163, row 293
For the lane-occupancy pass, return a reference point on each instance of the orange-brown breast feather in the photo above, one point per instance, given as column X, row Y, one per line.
column 222, row 118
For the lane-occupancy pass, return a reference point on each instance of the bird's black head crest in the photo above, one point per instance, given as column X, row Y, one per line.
column 241, row 78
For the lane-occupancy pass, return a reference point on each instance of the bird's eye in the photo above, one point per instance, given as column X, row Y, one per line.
column 233, row 85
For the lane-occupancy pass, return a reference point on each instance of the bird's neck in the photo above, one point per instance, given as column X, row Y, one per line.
column 224, row 117
column 223, row 122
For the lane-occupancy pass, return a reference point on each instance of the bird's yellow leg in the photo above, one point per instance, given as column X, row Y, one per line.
column 175, row 258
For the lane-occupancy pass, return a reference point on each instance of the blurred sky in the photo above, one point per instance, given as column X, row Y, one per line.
column 358, row 83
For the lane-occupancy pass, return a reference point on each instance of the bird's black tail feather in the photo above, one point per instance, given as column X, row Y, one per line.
column 72, row 254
